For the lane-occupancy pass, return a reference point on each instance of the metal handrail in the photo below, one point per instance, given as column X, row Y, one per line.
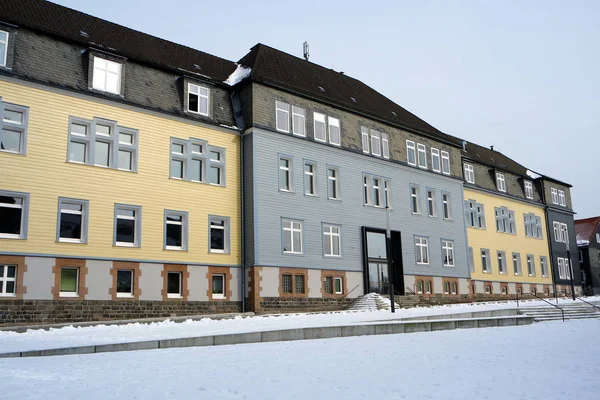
column 544, row 300
column 593, row 305
column 410, row 290
column 351, row 291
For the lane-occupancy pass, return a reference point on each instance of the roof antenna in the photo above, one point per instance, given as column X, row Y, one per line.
column 306, row 55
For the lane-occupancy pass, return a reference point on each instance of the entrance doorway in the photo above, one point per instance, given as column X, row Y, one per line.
column 382, row 263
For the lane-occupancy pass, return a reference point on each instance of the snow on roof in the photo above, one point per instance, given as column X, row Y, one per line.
column 238, row 75
column 582, row 242
column 533, row 175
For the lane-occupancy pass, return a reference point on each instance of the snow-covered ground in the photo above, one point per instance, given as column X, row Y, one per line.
column 554, row 360
column 103, row 334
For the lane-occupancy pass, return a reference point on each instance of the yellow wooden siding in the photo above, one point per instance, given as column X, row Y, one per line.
column 45, row 174
column 496, row 241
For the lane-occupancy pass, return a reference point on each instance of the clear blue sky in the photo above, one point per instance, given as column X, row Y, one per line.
column 523, row 76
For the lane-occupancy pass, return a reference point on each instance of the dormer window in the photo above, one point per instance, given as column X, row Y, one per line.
column 198, row 97
column 107, row 76
column 3, row 48
column 469, row 173
column 500, row 182
column 528, row 190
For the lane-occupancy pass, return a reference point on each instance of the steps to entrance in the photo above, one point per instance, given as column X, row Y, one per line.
column 575, row 311
column 371, row 302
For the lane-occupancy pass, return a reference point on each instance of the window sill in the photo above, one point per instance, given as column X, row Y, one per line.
column 289, row 253
column 174, row 296
column 333, row 256
column 198, row 113
column 125, row 244
column 282, row 131
column 5, row 236
column 218, row 252
column 218, row 297
column 8, row 295
column 423, row 264
column 71, row 241
column 12, row 152
column 71, row 295
column 171, row 248
column 449, row 266
column 332, row 199
column 125, row 295
column 286, row 191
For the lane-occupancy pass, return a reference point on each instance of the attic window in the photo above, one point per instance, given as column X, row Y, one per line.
column 84, row 34
column 395, row 115
column 107, row 76
column 198, row 99
column 321, row 89
column 3, row 48
column 353, row 99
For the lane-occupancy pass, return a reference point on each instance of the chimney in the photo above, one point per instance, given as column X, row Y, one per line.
column 306, row 54
column 492, row 147
column 464, row 145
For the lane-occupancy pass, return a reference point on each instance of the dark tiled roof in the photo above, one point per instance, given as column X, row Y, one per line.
column 493, row 158
column 94, row 32
column 585, row 228
column 274, row 67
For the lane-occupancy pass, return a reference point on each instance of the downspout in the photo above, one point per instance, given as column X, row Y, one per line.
column 549, row 236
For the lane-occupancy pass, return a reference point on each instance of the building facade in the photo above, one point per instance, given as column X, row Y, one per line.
column 324, row 180
column 506, row 227
column 121, row 188
column 588, row 244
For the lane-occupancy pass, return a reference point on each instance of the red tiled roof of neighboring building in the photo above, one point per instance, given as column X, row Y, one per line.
column 585, row 228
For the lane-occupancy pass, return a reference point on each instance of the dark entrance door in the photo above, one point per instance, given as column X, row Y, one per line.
column 377, row 259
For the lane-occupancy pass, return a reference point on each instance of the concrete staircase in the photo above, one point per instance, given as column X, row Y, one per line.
column 574, row 311
column 371, row 302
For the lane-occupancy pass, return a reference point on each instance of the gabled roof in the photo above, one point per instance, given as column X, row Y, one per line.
column 282, row 70
column 493, row 158
column 586, row 228
column 94, row 32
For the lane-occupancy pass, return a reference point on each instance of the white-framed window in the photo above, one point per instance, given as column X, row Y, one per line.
column 454, row 288
column 216, row 169
column 436, row 164
column 411, row 153
column 72, row 220
column 387, row 194
column 218, row 286
column 107, row 76
column 174, row 284
column 298, row 121
column 282, row 116
column 446, row 206
column 285, row 174
column 487, row 289
column 501, row 262
column 338, row 285
column 333, row 183
column 500, row 182
column 376, row 188
column 533, row 226
column 448, row 253
column 332, row 241
column 13, row 129
column 544, row 266
column 422, row 155
column 414, row 200
column 431, row 211
column 127, row 225
column 102, row 143
column 14, row 211
column 364, row 133
column 445, row 162
column 125, row 283
column 564, row 270
column 8, row 280
column 422, row 250
column 557, row 231
column 516, row 257
column 198, row 99
column 375, row 142
column 561, row 198
column 385, row 145
column 530, row 265
column 505, row 220
column 334, row 131
column 377, row 191
column 475, row 214
column 485, row 261
column 292, row 236
column 320, row 128
column 310, row 178
column 469, row 173
column 554, row 193
column 176, row 230
column 503, row 290
column 195, row 160
column 219, row 234
column 366, row 190
column 564, row 233
column 69, row 282
column 528, row 189
column 3, row 48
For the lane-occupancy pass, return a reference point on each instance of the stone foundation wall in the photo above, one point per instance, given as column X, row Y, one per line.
column 285, row 304
column 20, row 312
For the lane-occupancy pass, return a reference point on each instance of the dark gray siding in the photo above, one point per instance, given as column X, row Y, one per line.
column 248, row 176
column 559, row 249
column 271, row 205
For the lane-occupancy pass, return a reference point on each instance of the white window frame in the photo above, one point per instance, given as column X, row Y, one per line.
column 385, row 145
column 225, row 227
column 284, row 108
column 446, row 206
column 13, row 126
column 179, row 294
column 97, row 84
column 5, row 43
column 448, row 253
column 446, row 158
column 528, row 189
column 120, row 210
column 331, row 234
column 319, row 118
column 24, row 207
column 69, row 294
column 294, row 230
column 218, row 296
column 421, row 156
column 415, row 200
column 486, row 266
column 333, row 181
column 375, row 143
column 422, row 250
column 310, row 177
column 544, row 266
column 564, row 233
column 411, row 149
column 554, row 193
column 387, row 194
column 431, row 206
column 299, row 113
column 469, row 173
column 341, row 281
column 4, row 279
column 197, row 90
column 125, row 294
column 288, row 171
column 364, row 133
column 334, row 123
column 184, row 229
column 436, row 161
column 500, row 182
column 530, row 264
column 561, row 198
column 517, row 266
column 557, row 231
column 84, row 219
column 501, row 255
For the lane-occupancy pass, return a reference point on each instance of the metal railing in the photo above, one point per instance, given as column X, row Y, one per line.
column 412, row 292
column 586, row 302
column 346, row 295
column 544, row 300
